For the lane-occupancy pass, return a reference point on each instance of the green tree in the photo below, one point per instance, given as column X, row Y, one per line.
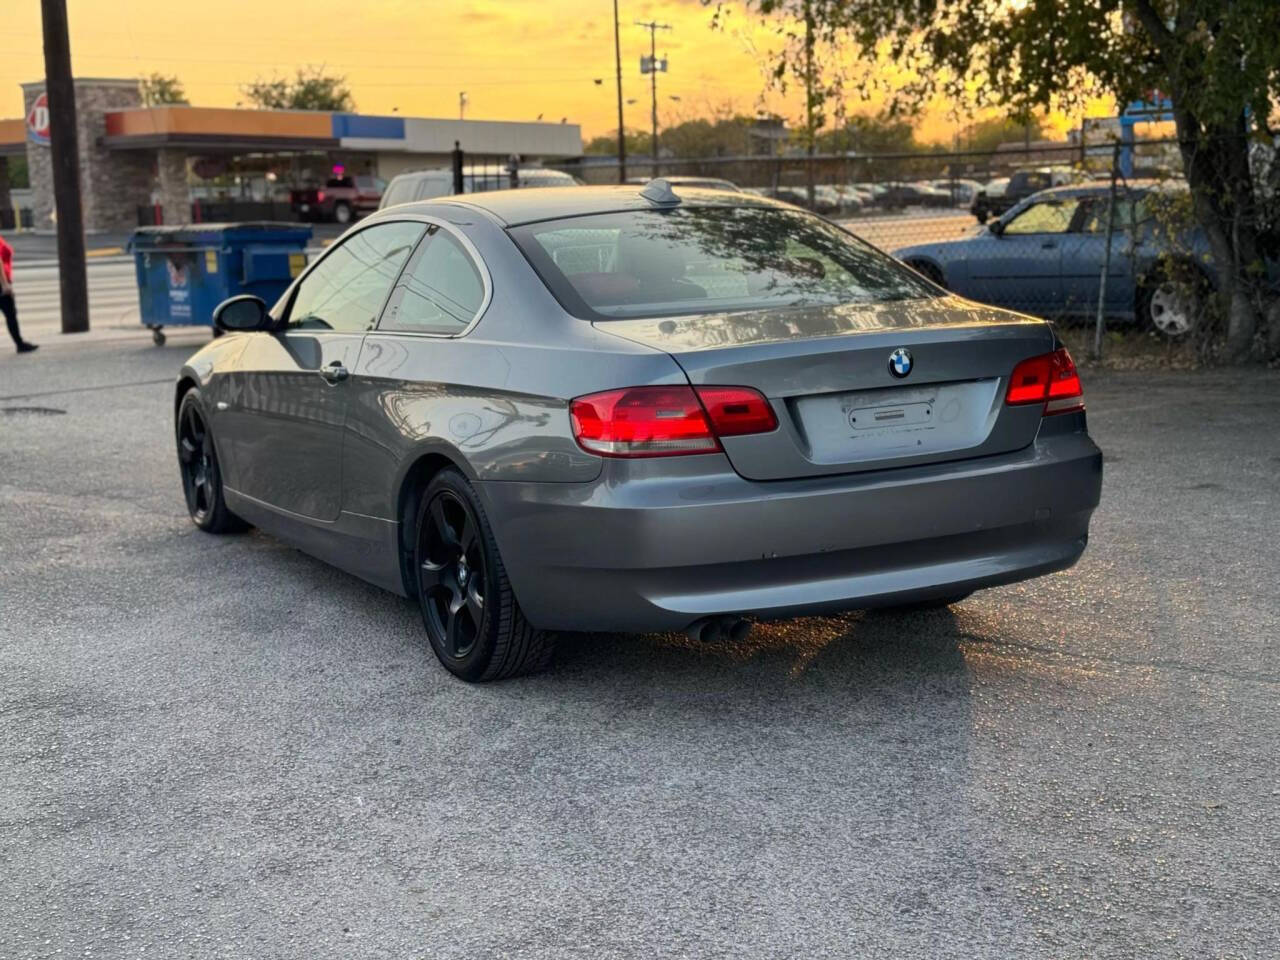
column 985, row 135
column 1217, row 60
column 723, row 136
column 864, row 134
column 607, row 146
column 310, row 89
column 159, row 88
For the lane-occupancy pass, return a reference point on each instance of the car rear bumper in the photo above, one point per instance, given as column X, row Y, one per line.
column 659, row 544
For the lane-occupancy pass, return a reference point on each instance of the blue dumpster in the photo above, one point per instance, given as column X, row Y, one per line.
column 184, row 272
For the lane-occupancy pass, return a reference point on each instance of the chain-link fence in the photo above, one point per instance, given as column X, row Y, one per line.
column 1047, row 229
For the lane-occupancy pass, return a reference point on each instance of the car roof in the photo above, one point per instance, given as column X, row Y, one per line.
column 480, row 170
column 514, row 207
column 1095, row 189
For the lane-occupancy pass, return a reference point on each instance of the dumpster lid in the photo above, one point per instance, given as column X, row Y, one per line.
column 216, row 231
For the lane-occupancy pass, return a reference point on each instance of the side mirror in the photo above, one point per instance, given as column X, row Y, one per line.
column 995, row 228
column 243, row 313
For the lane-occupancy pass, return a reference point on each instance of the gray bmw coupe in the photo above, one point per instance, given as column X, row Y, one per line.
column 635, row 409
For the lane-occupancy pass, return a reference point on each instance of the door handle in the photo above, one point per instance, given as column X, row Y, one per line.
column 1048, row 244
column 335, row 372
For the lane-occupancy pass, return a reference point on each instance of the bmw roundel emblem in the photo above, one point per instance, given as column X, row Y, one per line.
column 900, row 362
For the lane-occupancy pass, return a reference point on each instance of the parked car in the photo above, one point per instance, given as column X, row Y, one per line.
column 429, row 184
column 899, row 195
column 839, row 198
column 707, row 183
column 994, row 187
column 1045, row 257
column 796, row 196
column 962, row 192
column 634, row 410
column 989, row 203
column 340, row 200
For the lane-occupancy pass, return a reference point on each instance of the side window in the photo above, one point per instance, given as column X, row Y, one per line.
column 347, row 288
column 1045, row 217
column 440, row 293
column 1129, row 213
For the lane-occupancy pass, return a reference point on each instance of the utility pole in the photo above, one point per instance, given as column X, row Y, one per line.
column 653, row 26
column 811, row 133
column 64, row 151
column 622, row 133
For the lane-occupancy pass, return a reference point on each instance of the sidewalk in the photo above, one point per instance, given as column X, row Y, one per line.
column 53, row 341
column 44, row 246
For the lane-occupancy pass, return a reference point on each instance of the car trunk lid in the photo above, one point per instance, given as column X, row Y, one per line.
column 826, row 372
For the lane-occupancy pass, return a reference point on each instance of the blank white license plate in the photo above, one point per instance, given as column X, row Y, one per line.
column 897, row 421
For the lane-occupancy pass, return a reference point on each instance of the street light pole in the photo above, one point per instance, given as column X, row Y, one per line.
column 653, row 26
column 64, row 153
column 622, row 133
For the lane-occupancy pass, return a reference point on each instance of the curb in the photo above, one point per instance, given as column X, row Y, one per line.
column 116, row 255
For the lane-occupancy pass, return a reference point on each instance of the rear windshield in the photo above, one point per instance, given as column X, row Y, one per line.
column 647, row 263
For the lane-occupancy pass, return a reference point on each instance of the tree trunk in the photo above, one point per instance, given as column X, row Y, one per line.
column 1273, row 328
column 1216, row 160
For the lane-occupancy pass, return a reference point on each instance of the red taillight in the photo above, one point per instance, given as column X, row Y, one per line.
column 666, row 421
column 1051, row 379
column 735, row 411
column 319, row 196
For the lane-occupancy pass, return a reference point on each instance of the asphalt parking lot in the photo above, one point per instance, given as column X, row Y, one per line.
column 218, row 747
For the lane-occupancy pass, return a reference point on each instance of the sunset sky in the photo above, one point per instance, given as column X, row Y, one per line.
column 515, row 59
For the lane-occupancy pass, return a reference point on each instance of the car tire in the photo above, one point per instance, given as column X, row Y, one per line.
column 982, row 216
column 1172, row 302
column 201, row 473
column 341, row 213
column 471, row 615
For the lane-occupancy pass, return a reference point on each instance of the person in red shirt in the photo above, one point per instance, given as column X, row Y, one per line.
column 7, row 305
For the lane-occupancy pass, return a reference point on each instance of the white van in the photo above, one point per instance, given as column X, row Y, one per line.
column 429, row 184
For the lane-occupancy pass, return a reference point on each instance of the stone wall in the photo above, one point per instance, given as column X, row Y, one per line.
column 113, row 182
column 172, row 192
column 39, row 167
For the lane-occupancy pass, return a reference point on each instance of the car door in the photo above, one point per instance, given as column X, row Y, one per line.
column 405, row 389
column 290, row 399
column 1084, row 251
column 1021, row 267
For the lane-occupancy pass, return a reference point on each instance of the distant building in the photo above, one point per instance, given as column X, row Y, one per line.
column 133, row 156
column 1037, row 153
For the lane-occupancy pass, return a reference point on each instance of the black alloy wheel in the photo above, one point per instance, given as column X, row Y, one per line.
column 195, row 453
column 451, row 576
column 201, row 477
column 472, row 618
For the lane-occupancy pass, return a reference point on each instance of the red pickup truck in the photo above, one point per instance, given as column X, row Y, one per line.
column 341, row 199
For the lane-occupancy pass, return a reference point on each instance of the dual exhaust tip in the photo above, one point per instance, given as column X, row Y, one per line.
column 722, row 629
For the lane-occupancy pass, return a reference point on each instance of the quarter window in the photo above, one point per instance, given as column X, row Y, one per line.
column 348, row 287
column 440, row 293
